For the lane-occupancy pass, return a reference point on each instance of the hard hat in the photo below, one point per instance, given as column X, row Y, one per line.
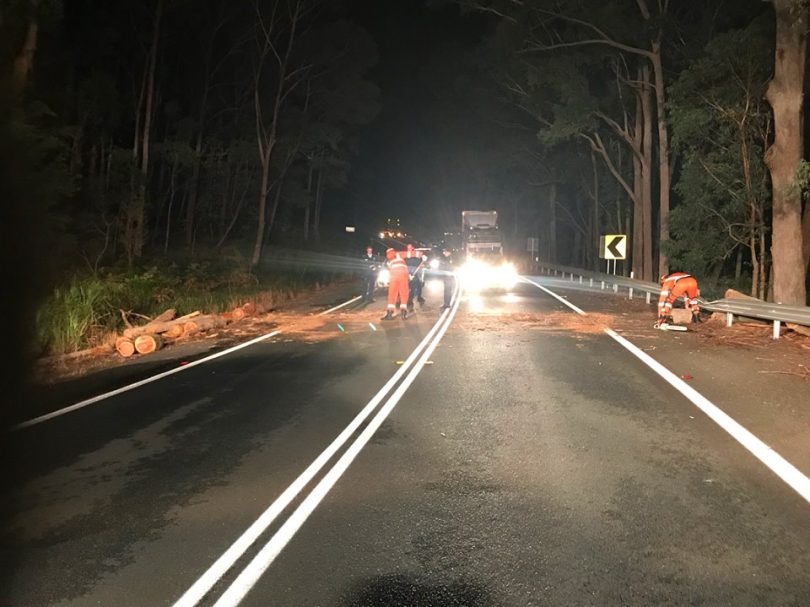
column 390, row 253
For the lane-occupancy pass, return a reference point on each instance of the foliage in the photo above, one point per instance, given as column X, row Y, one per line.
column 85, row 311
column 720, row 126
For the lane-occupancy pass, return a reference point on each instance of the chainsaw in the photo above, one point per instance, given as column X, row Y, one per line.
column 667, row 327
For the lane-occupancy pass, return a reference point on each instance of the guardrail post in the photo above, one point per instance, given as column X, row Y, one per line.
column 648, row 297
column 603, row 285
column 777, row 325
column 572, row 277
column 590, row 282
column 580, row 280
column 729, row 319
column 630, row 293
column 615, row 288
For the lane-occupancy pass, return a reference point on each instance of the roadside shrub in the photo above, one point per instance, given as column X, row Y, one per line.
column 85, row 311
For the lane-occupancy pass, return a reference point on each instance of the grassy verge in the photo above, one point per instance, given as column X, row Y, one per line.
column 86, row 311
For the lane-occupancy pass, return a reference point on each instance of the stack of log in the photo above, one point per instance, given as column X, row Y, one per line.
column 157, row 332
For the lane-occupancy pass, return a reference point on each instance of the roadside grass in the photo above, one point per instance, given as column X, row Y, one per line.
column 87, row 311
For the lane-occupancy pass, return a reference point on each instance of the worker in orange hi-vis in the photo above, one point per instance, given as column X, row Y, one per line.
column 398, row 284
column 673, row 286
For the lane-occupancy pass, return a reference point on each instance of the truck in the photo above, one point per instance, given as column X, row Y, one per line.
column 485, row 267
column 480, row 234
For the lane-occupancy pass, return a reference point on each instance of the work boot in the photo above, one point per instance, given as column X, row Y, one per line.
column 388, row 316
column 421, row 301
column 696, row 317
column 404, row 314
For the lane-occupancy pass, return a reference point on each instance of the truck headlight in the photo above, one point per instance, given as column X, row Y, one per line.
column 434, row 264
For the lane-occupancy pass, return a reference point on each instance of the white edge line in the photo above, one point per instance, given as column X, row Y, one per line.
column 775, row 462
column 143, row 382
column 259, row 564
column 138, row 384
column 214, row 573
column 338, row 307
column 554, row 295
column 778, row 465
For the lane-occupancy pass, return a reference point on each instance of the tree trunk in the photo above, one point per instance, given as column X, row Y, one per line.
column 191, row 207
column 552, row 222
column 24, row 61
column 135, row 228
column 664, row 176
column 593, row 246
column 259, row 242
column 316, row 216
column 172, row 193
column 646, row 176
column 785, row 94
column 806, row 237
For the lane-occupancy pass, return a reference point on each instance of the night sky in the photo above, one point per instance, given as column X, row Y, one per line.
column 397, row 152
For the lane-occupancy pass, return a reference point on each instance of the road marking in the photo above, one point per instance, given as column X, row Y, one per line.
column 138, row 384
column 149, row 380
column 778, row 465
column 553, row 294
column 259, row 564
column 221, row 566
column 795, row 479
column 338, row 307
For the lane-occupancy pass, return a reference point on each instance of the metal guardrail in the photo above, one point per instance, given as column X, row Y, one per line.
column 746, row 308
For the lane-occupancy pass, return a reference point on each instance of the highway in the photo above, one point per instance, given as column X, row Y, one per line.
column 457, row 458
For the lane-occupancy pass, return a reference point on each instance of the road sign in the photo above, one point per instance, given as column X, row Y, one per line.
column 533, row 245
column 613, row 246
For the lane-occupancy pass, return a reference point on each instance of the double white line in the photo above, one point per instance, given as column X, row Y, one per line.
column 264, row 558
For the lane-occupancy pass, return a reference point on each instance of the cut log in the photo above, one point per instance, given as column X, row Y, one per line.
column 800, row 329
column 158, row 327
column 175, row 331
column 249, row 308
column 733, row 294
column 203, row 323
column 148, row 343
column 165, row 316
column 125, row 347
column 681, row 316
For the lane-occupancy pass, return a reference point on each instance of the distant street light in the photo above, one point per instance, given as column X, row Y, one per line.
column 350, row 228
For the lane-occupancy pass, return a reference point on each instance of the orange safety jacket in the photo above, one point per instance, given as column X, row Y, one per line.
column 674, row 286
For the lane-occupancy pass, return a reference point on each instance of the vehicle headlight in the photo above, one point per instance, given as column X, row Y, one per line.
column 507, row 276
column 475, row 275
column 478, row 276
column 434, row 264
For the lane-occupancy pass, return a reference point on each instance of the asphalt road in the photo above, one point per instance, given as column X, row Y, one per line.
column 518, row 468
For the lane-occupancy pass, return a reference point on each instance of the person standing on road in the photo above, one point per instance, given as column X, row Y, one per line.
column 416, row 268
column 448, row 276
column 673, row 286
column 398, row 284
column 369, row 275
